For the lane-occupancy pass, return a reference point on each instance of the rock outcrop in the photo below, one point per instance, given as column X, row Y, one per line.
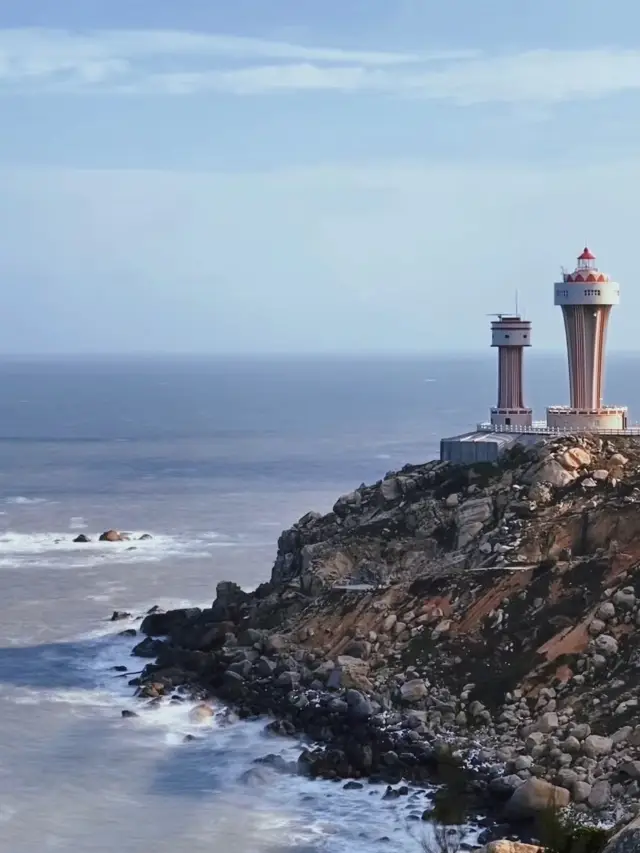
column 627, row 840
column 481, row 617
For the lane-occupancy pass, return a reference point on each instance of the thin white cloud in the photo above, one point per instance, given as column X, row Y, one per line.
column 184, row 63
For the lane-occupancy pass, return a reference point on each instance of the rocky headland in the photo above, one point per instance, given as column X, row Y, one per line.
column 478, row 621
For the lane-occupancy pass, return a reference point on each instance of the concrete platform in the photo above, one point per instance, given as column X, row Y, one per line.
column 471, row 447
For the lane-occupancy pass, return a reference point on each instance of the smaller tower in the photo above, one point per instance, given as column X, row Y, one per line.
column 511, row 335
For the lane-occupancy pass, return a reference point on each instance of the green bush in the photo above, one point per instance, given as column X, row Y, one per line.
column 558, row 834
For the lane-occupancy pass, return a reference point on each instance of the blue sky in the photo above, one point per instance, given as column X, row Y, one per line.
column 296, row 175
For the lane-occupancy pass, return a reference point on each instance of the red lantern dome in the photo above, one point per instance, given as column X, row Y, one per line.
column 586, row 269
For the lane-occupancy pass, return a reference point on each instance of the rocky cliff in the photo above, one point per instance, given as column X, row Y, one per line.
column 486, row 614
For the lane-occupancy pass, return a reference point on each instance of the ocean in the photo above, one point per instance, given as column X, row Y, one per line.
column 213, row 458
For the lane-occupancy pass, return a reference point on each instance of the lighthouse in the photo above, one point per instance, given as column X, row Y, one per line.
column 510, row 334
column 586, row 296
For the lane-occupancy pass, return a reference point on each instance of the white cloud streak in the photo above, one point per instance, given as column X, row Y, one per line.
column 148, row 62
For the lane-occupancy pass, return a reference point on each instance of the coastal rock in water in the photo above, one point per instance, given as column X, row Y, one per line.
column 201, row 713
column 82, row 537
column 510, row 847
column 148, row 648
column 536, row 796
column 112, row 536
column 163, row 624
column 119, row 615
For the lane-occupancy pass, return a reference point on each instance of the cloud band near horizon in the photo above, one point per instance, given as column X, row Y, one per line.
column 181, row 63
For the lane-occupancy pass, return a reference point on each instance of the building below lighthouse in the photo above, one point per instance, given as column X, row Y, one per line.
column 586, row 297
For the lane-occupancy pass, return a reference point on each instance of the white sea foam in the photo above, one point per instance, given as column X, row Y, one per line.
column 291, row 811
column 19, row 500
column 58, row 550
column 77, row 522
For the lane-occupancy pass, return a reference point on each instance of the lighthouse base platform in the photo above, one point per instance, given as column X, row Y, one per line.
column 566, row 419
column 489, row 441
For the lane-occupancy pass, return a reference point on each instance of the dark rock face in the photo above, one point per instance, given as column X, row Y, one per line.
column 162, row 624
column 119, row 615
column 82, row 538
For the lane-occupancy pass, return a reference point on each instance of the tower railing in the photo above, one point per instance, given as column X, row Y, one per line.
column 541, row 428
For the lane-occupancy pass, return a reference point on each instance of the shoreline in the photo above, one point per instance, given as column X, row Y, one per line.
column 350, row 739
column 453, row 625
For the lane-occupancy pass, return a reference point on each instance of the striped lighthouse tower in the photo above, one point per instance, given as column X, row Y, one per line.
column 586, row 297
column 510, row 334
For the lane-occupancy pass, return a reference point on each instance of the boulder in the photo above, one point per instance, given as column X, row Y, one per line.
column 162, row 624
column 548, row 722
column 536, row 796
column 229, row 599
column 631, row 769
column 201, row 713
column 550, row 472
column 390, row 489
column 625, row 598
column 389, row 622
column 600, row 795
column 359, row 649
column 617, row 460
column 580, row 791
column 510, row 847
column 574, row 458
column 606, row 611
column 119, row 615
column 360, row 707
column 413, row 691
column 148, row 648
column 627, row 840
column 606, row 644
column 595, row 746
column 82, row 538
column 354, row 673
column 112, row 536
column 471, row 517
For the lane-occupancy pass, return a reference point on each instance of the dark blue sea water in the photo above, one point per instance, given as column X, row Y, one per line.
column 213, row 458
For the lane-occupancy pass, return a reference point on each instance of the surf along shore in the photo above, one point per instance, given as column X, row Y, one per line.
column 475, row 626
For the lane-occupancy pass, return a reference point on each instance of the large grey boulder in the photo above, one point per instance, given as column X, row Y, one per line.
column 551, row 472
column 627, row 840
column 536, row 796
column 471, row 517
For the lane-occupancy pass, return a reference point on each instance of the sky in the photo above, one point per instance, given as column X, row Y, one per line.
column 311, row 176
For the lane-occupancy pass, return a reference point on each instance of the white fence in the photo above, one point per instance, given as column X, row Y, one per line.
column 541, row 428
